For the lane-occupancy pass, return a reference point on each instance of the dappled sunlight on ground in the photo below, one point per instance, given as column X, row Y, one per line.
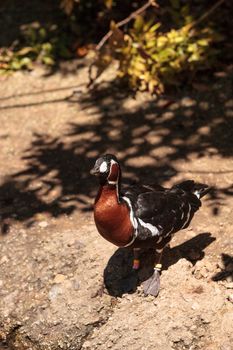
column 185, row 135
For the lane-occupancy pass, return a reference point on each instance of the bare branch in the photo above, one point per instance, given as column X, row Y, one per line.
column 125, row 21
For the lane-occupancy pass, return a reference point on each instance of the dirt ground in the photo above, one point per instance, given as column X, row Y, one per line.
column 53, row 262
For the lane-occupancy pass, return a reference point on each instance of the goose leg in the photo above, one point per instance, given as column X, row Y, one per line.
column 158, row 265
column 152, row 285
column 136, row 260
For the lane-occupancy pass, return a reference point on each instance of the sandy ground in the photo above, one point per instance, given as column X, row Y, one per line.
column 53, row 262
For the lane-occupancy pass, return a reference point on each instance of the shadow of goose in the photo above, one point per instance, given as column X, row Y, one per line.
column 120, row 278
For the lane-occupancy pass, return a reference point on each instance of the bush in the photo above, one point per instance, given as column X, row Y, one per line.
column 153, row 54
column 158, row 47
column 37, row 44
column 151, row 59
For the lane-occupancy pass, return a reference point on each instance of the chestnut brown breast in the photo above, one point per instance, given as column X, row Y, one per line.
column 112, row 218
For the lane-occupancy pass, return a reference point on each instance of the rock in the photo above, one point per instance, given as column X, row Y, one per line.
column 227, row 323
column 76, row 285
column 59, row 278
column 43, row 224
column 203, row 269
column 4, row 259
column 229, row 279
column 54, row 292
column 226, row 346
column 195, row 306
column 86, row 345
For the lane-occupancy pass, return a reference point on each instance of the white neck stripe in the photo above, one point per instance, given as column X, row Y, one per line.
column 133, row 221
column 112, row 182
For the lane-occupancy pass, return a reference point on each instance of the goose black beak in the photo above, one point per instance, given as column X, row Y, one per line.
column 95, row 171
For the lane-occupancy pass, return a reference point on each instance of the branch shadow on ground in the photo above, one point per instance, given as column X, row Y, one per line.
column 148, row 136
column 120, row 278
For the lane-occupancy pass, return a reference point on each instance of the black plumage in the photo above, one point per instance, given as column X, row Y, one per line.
column 166, row 210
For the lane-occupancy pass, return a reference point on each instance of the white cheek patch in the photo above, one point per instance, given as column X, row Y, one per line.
column 103, row 167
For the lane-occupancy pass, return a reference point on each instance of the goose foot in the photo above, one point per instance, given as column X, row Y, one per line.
column 152, row 285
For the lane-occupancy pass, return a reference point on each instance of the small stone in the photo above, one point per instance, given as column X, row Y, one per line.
column 43, row 224
column 226, row 346
column 209, row 267
column 22, row 231
column 86, row 345
column 230, row 298
column 59, row 278
column 188, row 102
column 229, row 279
column 76, row 285
column 195, row 306
column 54, row 292
column 4, row 259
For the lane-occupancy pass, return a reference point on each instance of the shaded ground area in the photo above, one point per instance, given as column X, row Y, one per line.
column 52, row 260
column 15, row 14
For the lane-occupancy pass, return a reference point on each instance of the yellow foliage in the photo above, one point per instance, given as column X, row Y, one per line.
column 150, row 58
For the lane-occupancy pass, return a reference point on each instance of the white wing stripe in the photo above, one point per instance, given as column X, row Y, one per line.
column 153, row 229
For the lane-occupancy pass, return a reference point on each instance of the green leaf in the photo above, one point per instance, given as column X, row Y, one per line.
column 42, row 33
column 25, row 51
column 48, row 60
column 154, row 27
column 138, row 23
column 26, row 62
column 203, row 42
column 47, row 47
column 15, row 65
